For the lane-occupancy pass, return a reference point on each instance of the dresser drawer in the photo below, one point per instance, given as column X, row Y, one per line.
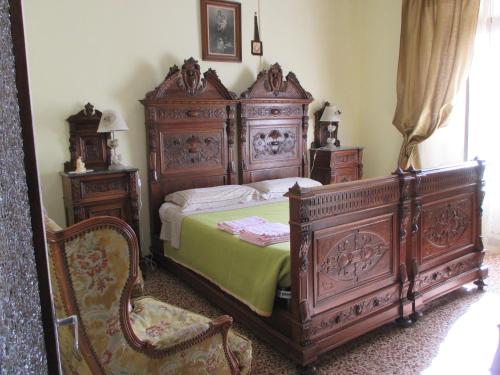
column 117, row 209
column 102, row 192
column 348, row 157
column 334, row 165
column 100, row 188
column 186, row 114
column 345, row 174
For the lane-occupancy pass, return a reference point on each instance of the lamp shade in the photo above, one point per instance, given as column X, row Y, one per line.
column 111, row 121
column 330, row 114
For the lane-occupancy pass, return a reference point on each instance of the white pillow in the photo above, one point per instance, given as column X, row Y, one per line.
column 212, row 197
column 271, row 189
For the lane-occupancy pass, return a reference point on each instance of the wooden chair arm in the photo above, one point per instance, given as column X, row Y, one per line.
column 219, row 325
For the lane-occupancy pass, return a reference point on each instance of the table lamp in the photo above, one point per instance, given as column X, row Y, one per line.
column 331, row 114
column 111, row 122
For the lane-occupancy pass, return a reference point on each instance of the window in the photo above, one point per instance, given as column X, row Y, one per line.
column 483, row 114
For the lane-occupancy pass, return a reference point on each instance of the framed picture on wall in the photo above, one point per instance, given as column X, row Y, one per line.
column 221, row 30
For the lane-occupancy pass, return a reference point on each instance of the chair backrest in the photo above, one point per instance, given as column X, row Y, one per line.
column 95, row 264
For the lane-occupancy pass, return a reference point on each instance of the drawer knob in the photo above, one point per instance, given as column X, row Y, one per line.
column 275, row 111
column 193, row 113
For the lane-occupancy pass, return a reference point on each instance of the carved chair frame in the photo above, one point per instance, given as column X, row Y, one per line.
column 57, row 241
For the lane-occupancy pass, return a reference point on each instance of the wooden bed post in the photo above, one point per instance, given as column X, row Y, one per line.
column 242, row 140
column 301, row 260
column 413, row 253
column 231, row 135
column 305, row 127
column 406, row 183
column 300, row 243
column 479, row 212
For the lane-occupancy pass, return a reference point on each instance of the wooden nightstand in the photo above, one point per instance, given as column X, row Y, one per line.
column 104, row 192
column 340, row 164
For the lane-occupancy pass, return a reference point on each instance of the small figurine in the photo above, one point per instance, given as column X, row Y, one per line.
column 80, row 166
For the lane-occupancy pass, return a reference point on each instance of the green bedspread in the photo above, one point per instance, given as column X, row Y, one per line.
column 248, row 272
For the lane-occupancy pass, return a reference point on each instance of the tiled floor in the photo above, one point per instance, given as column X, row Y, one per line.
column 457, row 335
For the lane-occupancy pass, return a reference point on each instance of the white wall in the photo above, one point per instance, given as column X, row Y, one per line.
column 446, row 145
column 112, row 52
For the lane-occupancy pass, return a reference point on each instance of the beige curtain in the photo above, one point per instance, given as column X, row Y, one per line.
column 435, row 52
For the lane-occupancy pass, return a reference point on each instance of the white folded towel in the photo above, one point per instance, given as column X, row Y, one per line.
column 236, row 226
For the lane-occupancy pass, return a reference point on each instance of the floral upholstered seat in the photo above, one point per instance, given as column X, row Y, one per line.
column 94, row 270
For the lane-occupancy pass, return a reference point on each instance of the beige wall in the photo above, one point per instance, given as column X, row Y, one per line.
column 112, row 52
column 379, row 23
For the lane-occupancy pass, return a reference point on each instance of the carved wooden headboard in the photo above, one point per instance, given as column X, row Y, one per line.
column 190, row 122
column 273, row 127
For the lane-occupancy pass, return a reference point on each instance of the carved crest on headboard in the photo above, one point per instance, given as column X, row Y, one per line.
column 275, row 81
column 190, row 79
column 270, row 83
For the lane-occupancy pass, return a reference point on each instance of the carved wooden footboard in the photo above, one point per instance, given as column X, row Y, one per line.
column 368, row 252
column 346, row 260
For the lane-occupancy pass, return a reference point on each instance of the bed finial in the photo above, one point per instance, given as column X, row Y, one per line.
column 295, row 189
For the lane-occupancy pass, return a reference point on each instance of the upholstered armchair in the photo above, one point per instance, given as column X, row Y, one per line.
column 94, row 269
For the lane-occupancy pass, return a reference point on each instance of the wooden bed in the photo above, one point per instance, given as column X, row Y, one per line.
column 363, row 253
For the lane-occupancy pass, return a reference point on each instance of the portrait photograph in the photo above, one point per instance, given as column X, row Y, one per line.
column 221, row 30
column 257, row 48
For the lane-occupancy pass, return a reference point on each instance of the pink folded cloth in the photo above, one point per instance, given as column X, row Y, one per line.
column 266, row 234
column 236, row 226
column 261, row 242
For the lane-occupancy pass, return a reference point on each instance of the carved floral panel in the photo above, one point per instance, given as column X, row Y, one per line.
column 443, row 273
column 192, row 150
column 354, row 311
column 447, row 225
column 278, row 143
column 267, row 111
column 351, row 258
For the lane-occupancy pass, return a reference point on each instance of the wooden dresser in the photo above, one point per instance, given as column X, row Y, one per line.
column 340, row 164
column 104, row 192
